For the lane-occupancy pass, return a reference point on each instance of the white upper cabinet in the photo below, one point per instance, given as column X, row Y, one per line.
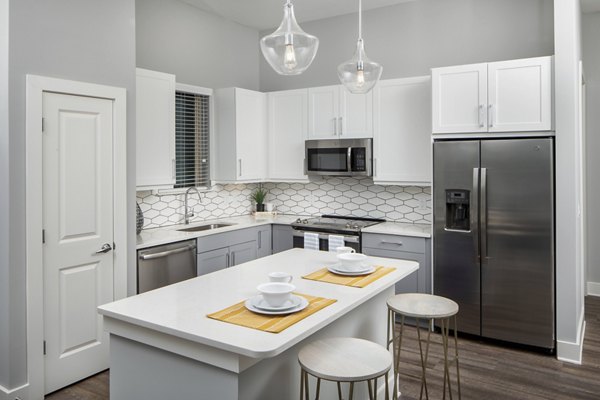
column 240, row 138
column 402, row 140
column 520, row 95
column 506, row 96
column 334, row 113
column 459, row 99
column 155, row 130
column 288, row 127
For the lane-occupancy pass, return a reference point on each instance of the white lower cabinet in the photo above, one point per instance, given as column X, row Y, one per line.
column 403, row 248
column 402, row 140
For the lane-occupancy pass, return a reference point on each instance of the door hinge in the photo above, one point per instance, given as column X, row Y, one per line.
column 44, row 347
column 43, row 123
column 43, row 236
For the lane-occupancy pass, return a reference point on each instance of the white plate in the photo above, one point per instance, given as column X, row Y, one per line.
column 367, row 271
column 303, row 304
column 260, row 302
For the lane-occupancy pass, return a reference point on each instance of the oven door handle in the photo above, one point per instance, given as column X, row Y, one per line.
column 325, row 236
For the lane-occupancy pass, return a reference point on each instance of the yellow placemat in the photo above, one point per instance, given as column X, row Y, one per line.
column 323, row 275
column 238, row 314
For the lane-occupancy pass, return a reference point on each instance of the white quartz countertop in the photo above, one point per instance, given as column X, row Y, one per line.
column 170, row 234
column 180, row 310
column 400, row 228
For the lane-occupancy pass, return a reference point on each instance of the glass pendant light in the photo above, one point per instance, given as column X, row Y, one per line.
column 359, row 74
column 289, row 50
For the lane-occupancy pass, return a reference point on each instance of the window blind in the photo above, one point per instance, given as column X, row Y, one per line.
column 192, row 127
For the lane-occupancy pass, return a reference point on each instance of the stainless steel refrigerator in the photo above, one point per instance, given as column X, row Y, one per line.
column 494, row 236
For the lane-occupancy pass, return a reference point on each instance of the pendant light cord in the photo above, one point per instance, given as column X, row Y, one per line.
column 359, row 19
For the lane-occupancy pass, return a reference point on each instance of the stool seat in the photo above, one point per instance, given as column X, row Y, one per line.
column 421, row 305
column 345, row 359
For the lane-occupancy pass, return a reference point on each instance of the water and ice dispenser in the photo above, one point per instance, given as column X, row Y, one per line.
column 458, row 215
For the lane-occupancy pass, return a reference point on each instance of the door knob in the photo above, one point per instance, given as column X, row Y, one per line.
column 104, row 249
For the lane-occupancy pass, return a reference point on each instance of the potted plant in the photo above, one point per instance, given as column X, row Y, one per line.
column 259, row 198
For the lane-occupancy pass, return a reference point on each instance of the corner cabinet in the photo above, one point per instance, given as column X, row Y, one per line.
column 335, row 113
column 404, row 248
column 240, row 136
column 155, row 130
column 288, row 128
column 402, row 137
column 505, row 96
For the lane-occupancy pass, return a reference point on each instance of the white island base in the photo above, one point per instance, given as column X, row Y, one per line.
column 214, row 360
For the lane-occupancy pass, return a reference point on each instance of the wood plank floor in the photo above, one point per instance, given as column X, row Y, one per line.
column 488, row 371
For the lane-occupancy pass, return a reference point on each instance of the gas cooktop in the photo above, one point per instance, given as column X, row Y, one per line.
column 335, row 223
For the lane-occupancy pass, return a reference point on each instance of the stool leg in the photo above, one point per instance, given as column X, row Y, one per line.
column 318, row 389
column 351, row 392
column 339, row 386
column 387, row 386
column 423, row 360
column 301, row 384
column 456, row 357
column 370, row 389
column 306, row 395
column 396, row 392
column 445, row 332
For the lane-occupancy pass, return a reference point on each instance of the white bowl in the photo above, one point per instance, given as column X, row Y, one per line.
column 352, row 261
column 276, row 293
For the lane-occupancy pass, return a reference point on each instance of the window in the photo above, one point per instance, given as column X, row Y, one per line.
column 192, row 133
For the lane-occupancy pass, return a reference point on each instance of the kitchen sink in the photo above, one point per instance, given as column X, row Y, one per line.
column 207, row 227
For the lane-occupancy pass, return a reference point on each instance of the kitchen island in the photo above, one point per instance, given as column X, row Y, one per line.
column 163, row 345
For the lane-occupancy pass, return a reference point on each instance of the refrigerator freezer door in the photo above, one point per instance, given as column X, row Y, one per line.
column 517, row 239
column 456, row 240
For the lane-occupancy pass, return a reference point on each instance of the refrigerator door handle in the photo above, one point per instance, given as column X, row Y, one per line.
column 484, row 252
column 475, row 213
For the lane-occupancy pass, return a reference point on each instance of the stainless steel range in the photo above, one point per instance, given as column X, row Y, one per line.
column 348, row 227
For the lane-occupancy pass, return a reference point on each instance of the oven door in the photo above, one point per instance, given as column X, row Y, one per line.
column 349, row 240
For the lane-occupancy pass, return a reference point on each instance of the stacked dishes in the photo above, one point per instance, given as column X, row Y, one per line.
column 352, row 264
column 276, row 296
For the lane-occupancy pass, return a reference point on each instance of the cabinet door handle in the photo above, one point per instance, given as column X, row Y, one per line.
column 259, row 240
column 394, row 243
column 481, row 116
column 227, row 262
column 334, row 126
column 240, row 165
column 232, row 259
column 491, row 115
column 341, row 127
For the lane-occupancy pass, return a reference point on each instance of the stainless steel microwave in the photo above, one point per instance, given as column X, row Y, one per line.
column 339, row 157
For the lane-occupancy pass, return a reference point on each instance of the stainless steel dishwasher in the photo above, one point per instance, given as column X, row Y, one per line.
column 163, row 265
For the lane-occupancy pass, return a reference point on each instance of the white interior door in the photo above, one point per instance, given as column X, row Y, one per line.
column 78, row 221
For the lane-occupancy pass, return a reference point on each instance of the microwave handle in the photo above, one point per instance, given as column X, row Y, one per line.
column 349, row 160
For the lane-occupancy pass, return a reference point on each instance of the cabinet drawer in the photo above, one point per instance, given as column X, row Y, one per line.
column 394, row 243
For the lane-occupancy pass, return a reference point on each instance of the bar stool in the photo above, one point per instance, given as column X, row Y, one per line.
column 431, row 308
column 344, row 360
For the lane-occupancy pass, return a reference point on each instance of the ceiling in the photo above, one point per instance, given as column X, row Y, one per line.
column 590, row 6
column 265, row 14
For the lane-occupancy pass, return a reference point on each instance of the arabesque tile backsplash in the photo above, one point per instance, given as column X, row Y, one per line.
column 342, row 196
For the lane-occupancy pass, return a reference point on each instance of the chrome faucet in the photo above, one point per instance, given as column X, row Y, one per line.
column 186, row 212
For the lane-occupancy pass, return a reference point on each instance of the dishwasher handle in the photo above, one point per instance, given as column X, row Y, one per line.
column 167, row 253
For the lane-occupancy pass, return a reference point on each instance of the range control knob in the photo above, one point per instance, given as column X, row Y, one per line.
column 348, row 225
column 305, row 221
column 355, row 226
column 299, row 221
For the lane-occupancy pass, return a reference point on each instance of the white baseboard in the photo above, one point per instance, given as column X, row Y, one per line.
column 571, row 351
column 593, row 288
column 19, row 393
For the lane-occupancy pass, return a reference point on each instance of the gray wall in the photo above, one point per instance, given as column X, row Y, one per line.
column 199, row 48
column 4, row 210
column 85, row 40
column 591, row 65
column 408, row 39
